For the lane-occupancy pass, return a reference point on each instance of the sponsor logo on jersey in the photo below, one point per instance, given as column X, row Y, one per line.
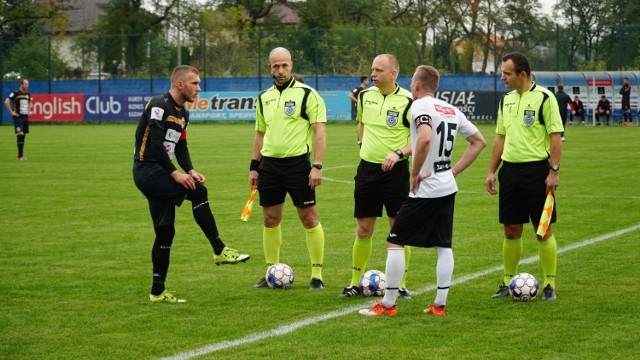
column 392, row 117
column 172, row 135
column 423, row 119
column 441, row 166
column 448, row 111
column 289, row 107
column 529, row 117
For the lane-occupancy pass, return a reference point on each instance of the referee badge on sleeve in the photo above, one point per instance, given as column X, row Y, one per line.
column 289, row 107
column 529, row 117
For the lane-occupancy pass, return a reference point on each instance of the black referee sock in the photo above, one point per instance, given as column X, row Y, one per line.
column 204, row 218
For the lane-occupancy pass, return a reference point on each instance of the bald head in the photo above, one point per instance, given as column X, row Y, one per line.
column 384, row 72
column 280, row 65
column 280, row 53
column 390, row 61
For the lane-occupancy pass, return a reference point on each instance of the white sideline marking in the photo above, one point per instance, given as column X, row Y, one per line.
column 289, row 328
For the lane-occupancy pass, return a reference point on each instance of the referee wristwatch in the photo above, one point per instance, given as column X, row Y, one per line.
column 317, row 166
column 554, row 167
column 399, row 153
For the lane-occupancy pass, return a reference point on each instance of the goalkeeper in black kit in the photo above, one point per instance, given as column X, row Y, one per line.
column 161, row 135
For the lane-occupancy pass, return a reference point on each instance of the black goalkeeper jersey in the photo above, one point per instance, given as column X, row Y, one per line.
column 162, row 134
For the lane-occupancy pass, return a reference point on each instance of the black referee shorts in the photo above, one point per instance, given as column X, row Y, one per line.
column 424, row 222
column 523, row 192
column 161, row 191
column 279, row 176
column 376, row 188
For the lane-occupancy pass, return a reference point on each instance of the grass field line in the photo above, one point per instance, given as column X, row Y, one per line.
column 289, row 328
column 590, row 196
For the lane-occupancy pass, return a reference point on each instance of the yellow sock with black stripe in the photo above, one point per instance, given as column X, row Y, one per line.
column 407, row 257
column 362, row 248
column 271, row 241
column 548, row 252
column 511, row 253
column 315, row 244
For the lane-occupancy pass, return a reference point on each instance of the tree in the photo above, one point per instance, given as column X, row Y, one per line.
column 125, row 24
column 321, row 14
column 229, row 40
column 256, row 9
column 30, row 57
column 18, row 17
column 589, row 20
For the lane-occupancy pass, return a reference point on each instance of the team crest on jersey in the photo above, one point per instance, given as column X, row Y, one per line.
column 156, row 113
column 289, row 107
column 392, row 117
column 529, row 117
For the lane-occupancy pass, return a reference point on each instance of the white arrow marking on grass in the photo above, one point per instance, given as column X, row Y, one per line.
column 289, row 328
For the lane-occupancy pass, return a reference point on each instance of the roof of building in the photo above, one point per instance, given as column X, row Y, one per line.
column 283, row 11
column 83, row 17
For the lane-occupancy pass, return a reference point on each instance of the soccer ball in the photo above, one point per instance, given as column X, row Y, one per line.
column 279, row 276
column 523, row 287
column 373, row 283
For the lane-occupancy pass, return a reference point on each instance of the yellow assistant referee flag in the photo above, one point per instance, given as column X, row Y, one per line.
column 246, row 211
column 547, row 211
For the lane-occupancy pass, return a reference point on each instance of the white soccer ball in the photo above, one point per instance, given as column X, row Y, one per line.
column 373, row 283
column 279, row 276
column 523, row 287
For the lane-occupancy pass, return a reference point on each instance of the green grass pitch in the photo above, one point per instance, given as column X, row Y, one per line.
column 75, row 263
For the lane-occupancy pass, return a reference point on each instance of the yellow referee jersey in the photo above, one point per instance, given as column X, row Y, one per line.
column 285, row 117
column 386, row 120
column 528, row 119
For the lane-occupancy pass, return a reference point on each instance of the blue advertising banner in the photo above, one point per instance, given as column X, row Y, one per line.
column 242, row 105
column 114, row 107
column 129, row 107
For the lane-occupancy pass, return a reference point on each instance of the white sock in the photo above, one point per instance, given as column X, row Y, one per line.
column 444, row 272
column 393, row 274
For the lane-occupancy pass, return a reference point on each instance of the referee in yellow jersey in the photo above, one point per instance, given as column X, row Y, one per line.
column 290, row 125
column 528, row 144
column 382, row 178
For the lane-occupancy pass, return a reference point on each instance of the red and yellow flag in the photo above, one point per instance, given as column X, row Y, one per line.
column 545, row 219
column 246, row 212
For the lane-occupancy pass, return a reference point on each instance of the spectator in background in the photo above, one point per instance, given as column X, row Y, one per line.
column 603, row 108
column 120, row 70
column 364, row 81
column 625, row 91
column 563, row 102
column 114, row 69
column 577, row 109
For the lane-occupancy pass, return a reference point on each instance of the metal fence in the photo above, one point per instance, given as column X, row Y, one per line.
column 315, row 52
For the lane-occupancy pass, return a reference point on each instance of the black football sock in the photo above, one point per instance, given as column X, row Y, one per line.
column 203, row 216
column 160, row 255
column 20, row 141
